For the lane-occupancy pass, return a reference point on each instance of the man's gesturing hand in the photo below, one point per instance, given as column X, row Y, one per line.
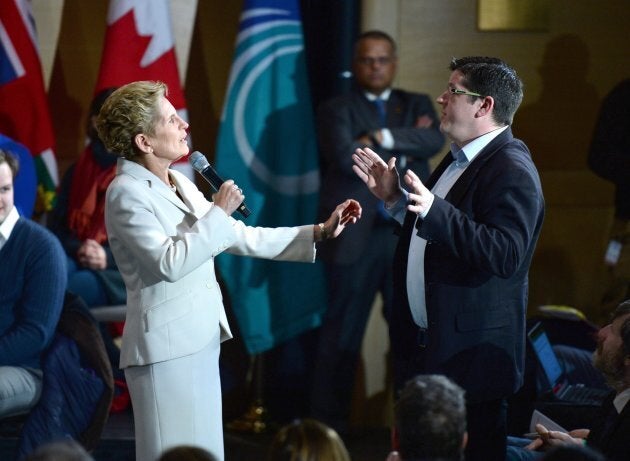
column 380, row 177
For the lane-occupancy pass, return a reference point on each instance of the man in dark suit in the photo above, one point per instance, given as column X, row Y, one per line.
column 358, row 265
column 465, row 247
column 609, row 433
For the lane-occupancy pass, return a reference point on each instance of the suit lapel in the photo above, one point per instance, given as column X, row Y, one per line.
column 461, row 186
column 140, row 173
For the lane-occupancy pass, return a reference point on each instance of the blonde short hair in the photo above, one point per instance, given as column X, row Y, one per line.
column 307, row 440
column 130, row 110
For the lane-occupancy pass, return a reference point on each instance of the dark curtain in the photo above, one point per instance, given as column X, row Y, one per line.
column 330, row 28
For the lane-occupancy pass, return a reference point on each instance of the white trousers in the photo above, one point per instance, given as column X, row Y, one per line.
column 178, row 402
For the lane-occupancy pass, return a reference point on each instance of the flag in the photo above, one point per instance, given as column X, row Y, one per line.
column 24, row 114
column 267, row 144
column 139, row 45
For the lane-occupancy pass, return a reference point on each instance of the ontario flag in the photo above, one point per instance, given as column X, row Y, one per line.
column 139, row 45
column 24, row 114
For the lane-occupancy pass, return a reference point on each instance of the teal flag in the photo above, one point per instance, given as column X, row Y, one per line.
column 267, row 144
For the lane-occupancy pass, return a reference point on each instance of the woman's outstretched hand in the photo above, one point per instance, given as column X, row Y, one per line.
column 345, row 213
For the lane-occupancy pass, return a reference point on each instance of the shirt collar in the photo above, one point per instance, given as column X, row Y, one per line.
column 467, row 153
column 8, row 224
column 384, row 95
column 621, row 400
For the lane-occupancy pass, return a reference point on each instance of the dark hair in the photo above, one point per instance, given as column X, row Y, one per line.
column 430, row 418
column 623, row 309
column 187, row 453
column 95, row 107
column 492, row 77
column 11, row 160
column 375, row 35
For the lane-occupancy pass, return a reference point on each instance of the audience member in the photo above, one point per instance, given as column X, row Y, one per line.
column 429, row 421
column 307, row 440
column 187, row 453
column 609, row 158
column 65, row 450
column 464, row 250
column 78, row 220
column 25, row 184
column 33, row 281
column 610, row 429
column 358, row 262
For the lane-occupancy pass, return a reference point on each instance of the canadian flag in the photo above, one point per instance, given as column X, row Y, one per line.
column 24, row 114
column 139, row 46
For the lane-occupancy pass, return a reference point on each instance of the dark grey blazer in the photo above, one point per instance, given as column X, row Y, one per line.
column 480, row 242
column 340, row 121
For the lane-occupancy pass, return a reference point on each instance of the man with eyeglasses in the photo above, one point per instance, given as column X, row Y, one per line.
column 466, row 242
column 358, row 265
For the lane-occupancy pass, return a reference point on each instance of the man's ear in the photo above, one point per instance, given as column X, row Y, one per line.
column 486, row 108
column 143, row 143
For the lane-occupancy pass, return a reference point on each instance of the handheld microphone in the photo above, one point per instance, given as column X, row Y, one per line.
column 201, row 165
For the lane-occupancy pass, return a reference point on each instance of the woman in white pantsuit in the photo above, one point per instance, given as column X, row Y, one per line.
column 164, row 235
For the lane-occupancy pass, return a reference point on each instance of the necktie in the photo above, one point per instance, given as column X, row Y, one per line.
column 382, row 112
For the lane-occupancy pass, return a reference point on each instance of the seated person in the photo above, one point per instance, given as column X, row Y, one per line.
column 307, row 440
column 78, row 219
column 25, row 184
column 429, row 420
column 610, row 429
column 33, row 281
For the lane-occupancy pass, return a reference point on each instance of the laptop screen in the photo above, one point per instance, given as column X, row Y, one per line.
column 545, row 354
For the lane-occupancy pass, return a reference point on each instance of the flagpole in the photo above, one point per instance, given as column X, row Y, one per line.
column 254, row 420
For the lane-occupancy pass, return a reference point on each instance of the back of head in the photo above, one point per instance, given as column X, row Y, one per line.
column 187, row 453
column 129, row 110
column 307, row 440
column 622, row 310
column 65, row 450
column 430, row 419
column 492, row 77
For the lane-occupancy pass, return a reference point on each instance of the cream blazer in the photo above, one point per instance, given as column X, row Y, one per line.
column 165, row 250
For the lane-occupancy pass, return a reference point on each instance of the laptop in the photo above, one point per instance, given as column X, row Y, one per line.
column 578, row 394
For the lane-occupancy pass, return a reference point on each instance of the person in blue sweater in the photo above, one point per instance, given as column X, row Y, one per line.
column 32, row 289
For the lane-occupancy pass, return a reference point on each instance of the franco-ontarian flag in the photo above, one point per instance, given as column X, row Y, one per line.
column 267, row 144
